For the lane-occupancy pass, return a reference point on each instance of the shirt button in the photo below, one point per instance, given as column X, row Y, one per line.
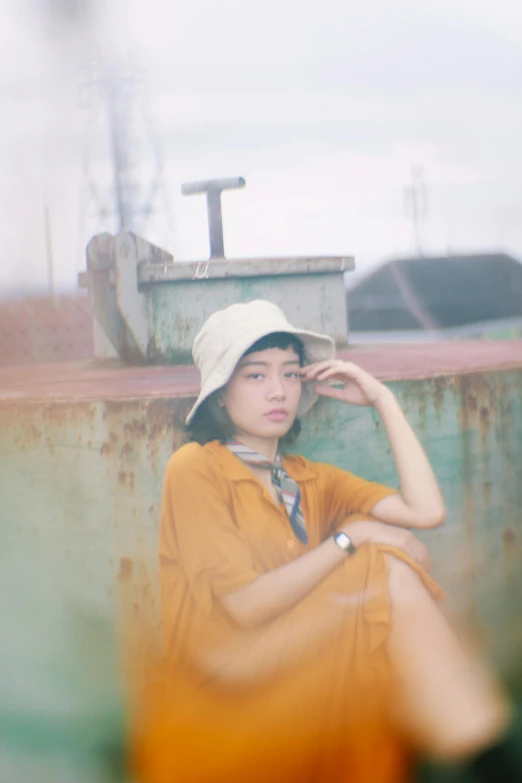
column 290, row 543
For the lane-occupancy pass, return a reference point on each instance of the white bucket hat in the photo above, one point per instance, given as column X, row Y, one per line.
column 228, row 333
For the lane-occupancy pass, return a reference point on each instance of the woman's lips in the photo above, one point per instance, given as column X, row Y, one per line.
column 277, row 415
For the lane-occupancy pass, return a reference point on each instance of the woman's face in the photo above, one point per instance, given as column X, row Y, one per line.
column 262, row 395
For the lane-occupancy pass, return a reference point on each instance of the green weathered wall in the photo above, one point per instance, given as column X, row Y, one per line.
column 176, row 310
column 80, row 485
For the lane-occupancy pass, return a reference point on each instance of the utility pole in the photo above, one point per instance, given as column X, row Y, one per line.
column 49, row 252
column 415, row 205
column 115, row 96
column 117, row 113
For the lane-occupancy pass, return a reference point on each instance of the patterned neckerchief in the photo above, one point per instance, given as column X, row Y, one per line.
column 285, row 486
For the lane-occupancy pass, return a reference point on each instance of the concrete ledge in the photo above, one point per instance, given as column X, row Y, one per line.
column 95, row 380
column 151, row 272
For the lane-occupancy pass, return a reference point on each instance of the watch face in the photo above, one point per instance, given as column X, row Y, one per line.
column 343, row 540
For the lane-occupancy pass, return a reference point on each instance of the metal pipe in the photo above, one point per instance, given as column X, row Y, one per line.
column 213, row 188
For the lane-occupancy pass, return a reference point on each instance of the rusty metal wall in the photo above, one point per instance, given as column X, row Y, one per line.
column 80, row 484
column 84, row 478
column 176, row 311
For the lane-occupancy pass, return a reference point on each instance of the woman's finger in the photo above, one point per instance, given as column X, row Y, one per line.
column 335, row 367
column 333, row 373
column 329, row 391
column 343, row 371
column 339, row 371
column 322, row 363
column 313, row 369
column 329, row 364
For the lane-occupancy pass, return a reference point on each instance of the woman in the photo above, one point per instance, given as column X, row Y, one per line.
column 303, row 642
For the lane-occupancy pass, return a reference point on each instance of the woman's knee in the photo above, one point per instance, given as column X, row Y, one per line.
column 404, row 583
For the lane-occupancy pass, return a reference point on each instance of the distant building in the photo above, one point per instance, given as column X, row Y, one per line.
column 420, row 298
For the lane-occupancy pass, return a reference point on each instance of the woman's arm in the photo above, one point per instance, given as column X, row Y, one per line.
column 420, row 503
column 277, row 591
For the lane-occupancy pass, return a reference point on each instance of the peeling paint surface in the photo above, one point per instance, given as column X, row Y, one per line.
column 81, row 481
column 85, row 480
column 176, row 311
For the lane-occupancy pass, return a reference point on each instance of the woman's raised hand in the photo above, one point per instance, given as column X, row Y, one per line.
column 367, row 531
column 352, row 383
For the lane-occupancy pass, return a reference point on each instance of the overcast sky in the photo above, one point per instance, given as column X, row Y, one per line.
column 323, row 107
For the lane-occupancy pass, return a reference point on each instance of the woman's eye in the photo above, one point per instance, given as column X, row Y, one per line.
column 292, row 374
column 255, row 375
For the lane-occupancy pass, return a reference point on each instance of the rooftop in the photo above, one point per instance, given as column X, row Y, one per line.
column 434, row 293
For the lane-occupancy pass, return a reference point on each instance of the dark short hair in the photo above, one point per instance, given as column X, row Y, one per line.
column 212, row 422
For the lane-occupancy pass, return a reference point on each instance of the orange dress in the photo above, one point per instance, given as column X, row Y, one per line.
column 304, row 697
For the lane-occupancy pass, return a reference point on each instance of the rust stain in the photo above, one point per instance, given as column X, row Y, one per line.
column 135, row 428
column 467, row 410
column 64, row 412
column 478, row 405
column 122, row 477
column 476, row 393
column 184, row 326
column 131, row 479
column 510, row 566
column 153, row 351
column 484, row 423
column 125, row 450
column 126, row 569
column 56, row 414
column 160, row 416
column 416, row 400
column 35, row 433
column 440, row 384
column 471, row 402
column 117, row 408
column 486, row 492
column 105, row 449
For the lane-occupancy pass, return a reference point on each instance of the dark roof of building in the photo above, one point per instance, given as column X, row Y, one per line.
column 435, row 293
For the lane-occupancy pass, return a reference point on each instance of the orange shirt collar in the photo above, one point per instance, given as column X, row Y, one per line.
column 238, row 471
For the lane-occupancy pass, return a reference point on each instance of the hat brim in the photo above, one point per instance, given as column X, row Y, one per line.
column 317, row 348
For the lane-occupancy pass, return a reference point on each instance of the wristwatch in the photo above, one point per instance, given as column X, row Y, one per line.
column 345, row 543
